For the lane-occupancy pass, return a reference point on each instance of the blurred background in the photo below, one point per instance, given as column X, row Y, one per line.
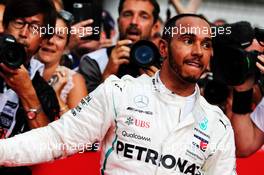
column 230, row 10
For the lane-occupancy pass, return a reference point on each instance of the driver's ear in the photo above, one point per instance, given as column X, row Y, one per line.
column 163, row 48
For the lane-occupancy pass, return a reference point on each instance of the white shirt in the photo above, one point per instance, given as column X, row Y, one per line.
column 137, row 123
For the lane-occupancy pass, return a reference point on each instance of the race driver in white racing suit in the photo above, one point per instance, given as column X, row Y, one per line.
column 148, row 125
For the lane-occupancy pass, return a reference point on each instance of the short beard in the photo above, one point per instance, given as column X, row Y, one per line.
column 176, row 70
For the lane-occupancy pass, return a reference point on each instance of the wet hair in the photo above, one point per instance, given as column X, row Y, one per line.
column 155, row 12
column 27, row 8
column 172, row 22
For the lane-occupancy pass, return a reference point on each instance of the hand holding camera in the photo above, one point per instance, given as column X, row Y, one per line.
column 142, row 57
column 259, row 65
column 12, row 56
column 17, row 79
column 119, row 55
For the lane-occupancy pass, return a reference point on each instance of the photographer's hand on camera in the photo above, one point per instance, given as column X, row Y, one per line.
column 19, row 81
column 261, row 66
column 119, row 55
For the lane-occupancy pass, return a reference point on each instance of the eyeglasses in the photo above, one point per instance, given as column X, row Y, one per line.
column 67, row 16
column 34, row 28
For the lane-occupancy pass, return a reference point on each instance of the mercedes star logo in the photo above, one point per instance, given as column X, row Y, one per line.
column 141, row 101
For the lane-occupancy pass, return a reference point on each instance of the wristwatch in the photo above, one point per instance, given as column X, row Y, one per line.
column 33, row 112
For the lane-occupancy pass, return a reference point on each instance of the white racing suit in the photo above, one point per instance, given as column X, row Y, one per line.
column 137, row 124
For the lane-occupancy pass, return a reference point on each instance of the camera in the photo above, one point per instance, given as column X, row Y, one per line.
column 232, row 64
column 12, row 54
column 89, row 10
column 144, row 54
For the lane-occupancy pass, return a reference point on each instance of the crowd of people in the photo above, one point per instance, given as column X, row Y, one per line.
column 170, row 117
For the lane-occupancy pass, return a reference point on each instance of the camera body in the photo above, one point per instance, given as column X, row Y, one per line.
column 145, row 53
column 89, row 10
column 231, row 63
column 12, row 54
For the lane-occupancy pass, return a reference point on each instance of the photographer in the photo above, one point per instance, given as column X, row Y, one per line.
column 237, row 60
column 249, row 126
column 135, row 22
column 26, row 101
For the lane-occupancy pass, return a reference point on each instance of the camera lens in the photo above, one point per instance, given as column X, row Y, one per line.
column 232, row 64
column 12, row 54
column 144, row 54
